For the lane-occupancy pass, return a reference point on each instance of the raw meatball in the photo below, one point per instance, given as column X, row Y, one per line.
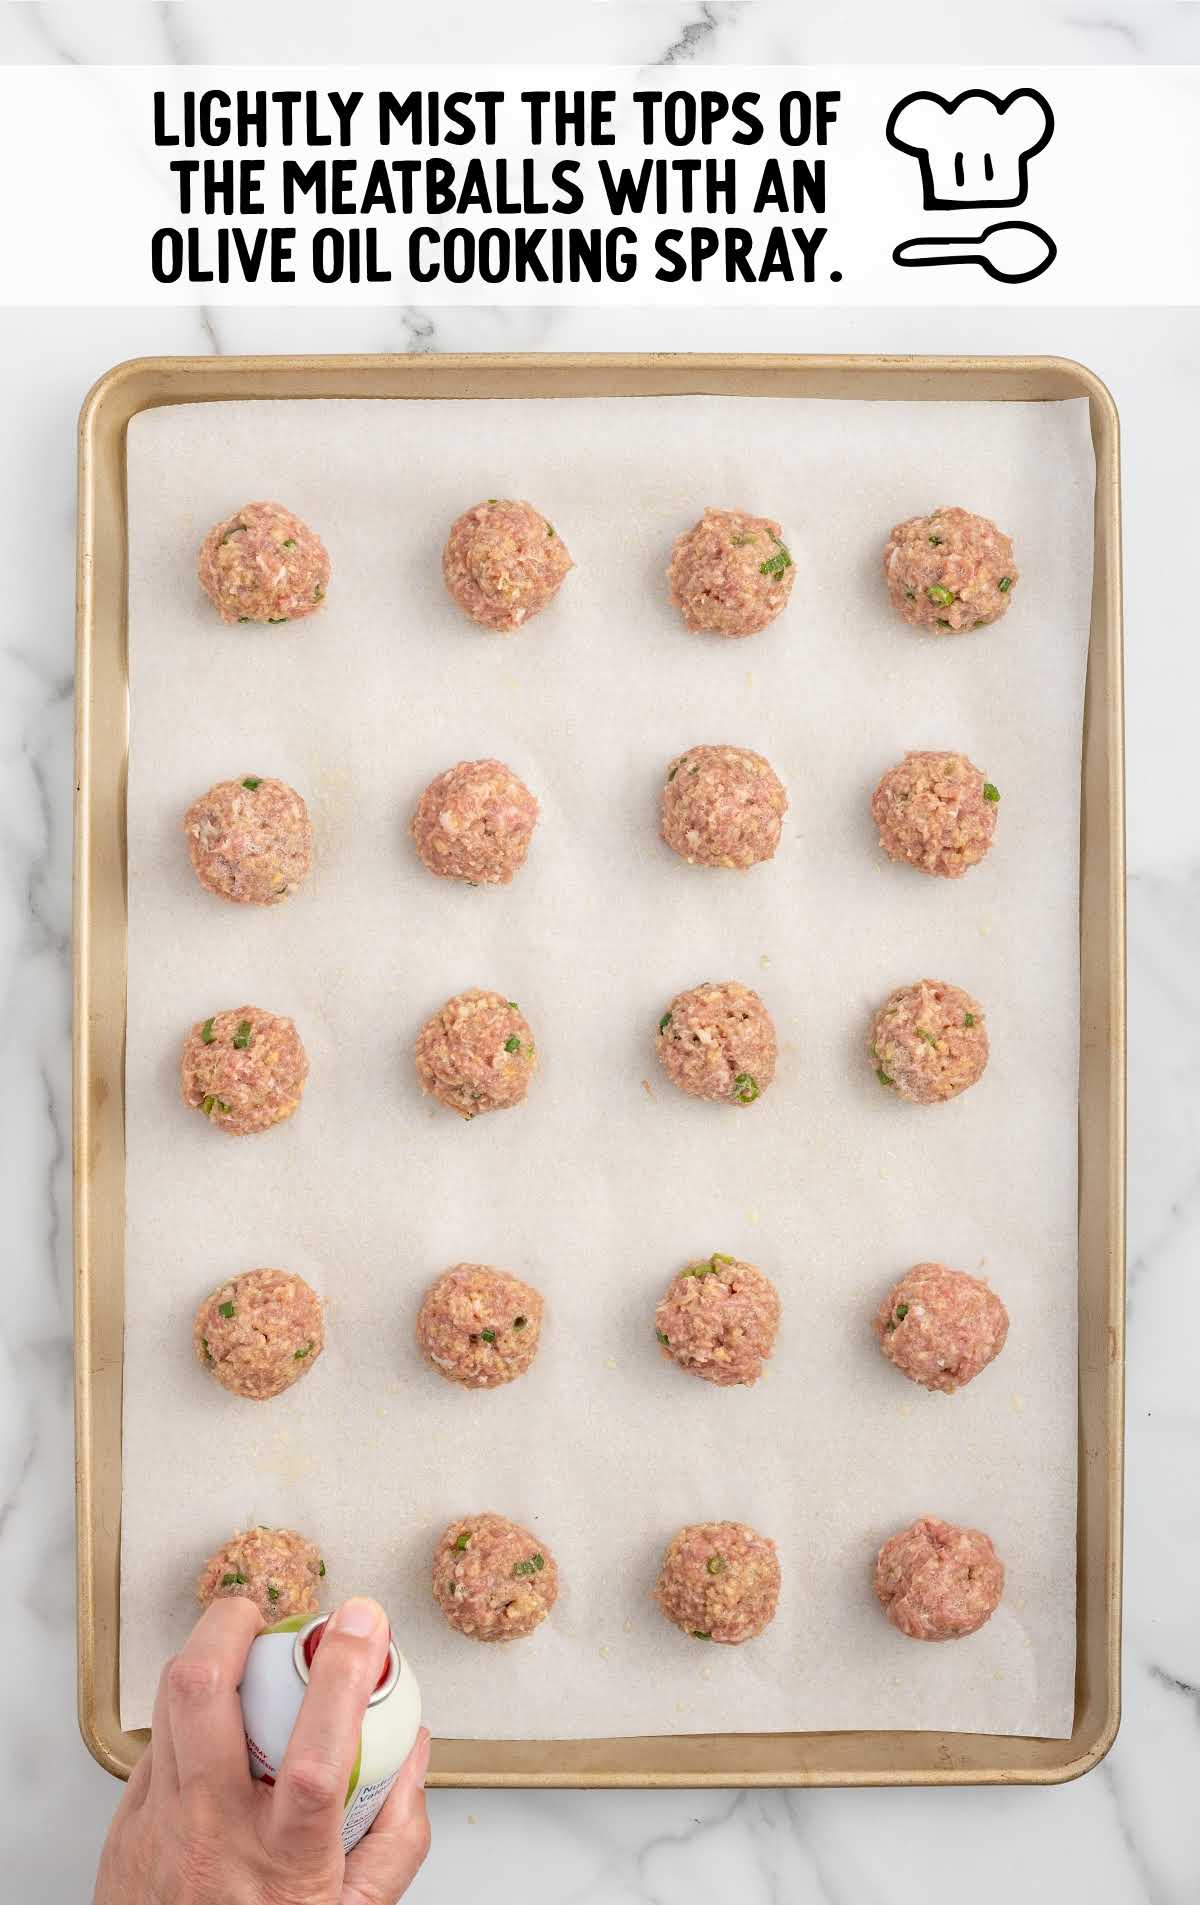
column 503, row 562
column 951, row 570
column 719, row 1581
column 938, row 1582
column 264, row 565
column 719, row 1319
column 260, row 1332
column 479, row 1326
column 492, row 1579
column 937, row 812
column 477, row 1054
column 250, row 840
column 723, row 807
column 475, row 822
column 245, row 1069
column 929, row 1041
column 941, row 1326
column 730, row 574
column 718, row 1042
column 281, row 1572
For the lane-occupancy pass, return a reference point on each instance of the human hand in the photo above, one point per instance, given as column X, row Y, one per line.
column 194, row 1828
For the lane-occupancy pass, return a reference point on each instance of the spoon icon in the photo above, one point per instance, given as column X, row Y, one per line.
column 1011, row 251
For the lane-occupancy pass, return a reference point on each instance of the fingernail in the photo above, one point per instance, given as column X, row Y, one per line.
column 358, row 1617
column 421, row 1757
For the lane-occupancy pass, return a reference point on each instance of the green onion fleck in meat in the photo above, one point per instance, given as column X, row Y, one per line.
column 776, row 564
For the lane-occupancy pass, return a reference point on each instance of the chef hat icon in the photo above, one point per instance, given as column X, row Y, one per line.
column 975, row 149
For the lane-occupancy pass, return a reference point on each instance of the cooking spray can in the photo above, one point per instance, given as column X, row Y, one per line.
column 272, row 1688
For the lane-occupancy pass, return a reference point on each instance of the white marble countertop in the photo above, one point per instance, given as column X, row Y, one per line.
column 1129, row 1834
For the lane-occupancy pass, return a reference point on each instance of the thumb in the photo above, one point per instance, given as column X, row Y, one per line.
column 310, row 1794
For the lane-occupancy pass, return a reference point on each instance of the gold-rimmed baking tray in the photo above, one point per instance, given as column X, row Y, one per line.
column 102, row 732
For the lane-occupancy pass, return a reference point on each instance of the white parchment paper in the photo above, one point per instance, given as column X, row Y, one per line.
column 607, row 1180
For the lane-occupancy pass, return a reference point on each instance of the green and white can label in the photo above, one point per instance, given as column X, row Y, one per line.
column 272, row 1689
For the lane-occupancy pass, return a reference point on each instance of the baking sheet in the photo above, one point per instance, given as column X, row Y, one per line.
column 598, row 1188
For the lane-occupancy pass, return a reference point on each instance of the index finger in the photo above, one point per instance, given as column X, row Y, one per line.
column 205, row 1713
column 310, row 1793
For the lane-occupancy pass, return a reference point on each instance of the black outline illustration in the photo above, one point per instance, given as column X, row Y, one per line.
column 931, row 200
column 962, row 256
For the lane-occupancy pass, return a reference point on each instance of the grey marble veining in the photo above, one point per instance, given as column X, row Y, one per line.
column 634, row 32
column 1130, row 1833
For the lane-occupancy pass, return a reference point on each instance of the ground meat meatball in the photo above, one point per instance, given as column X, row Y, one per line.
column 474, row 823
column 941, row 1326
column 245, row 1069
column 260, row 1332
column 250, row 840
column 950, row 571
column 722, row 807
column 719, row 1319
column 492, row 1579
column 477, row 1054
column 719, row 1581
column 938, row 1582
column 264, row 565
column 503, row 562
column 937, row 812
column 479, row 1326
column 281, row 1572
column 730, row 574
column 929, row 1041
column 718, row 1042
